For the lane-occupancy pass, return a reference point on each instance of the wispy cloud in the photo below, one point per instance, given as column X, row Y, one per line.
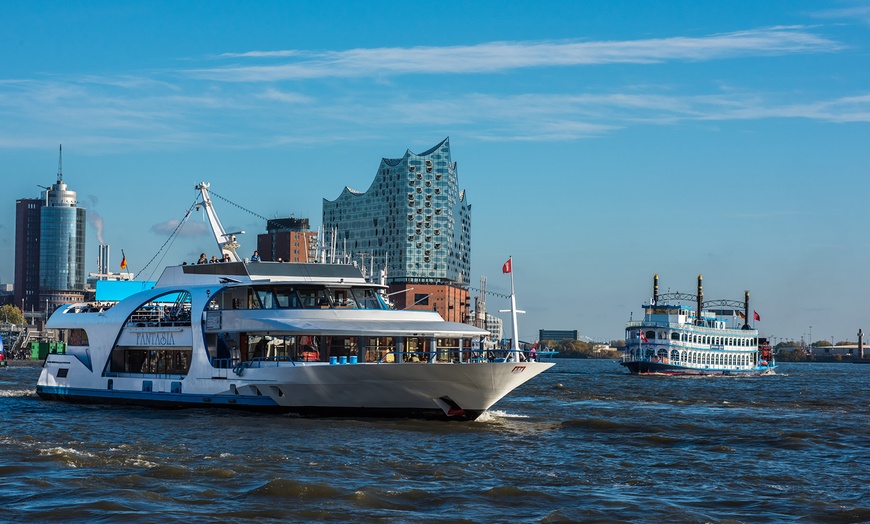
column 171, row 109
column 503, row 56
column 858, row 12
column 260, row 54
column 190, row 229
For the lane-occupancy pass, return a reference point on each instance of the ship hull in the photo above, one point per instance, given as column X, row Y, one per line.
column 420, row 390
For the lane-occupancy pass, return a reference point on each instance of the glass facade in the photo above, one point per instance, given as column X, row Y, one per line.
column 413, row 215
column 61, row 248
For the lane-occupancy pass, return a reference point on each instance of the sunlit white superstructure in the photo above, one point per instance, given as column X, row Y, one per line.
column 312, row 339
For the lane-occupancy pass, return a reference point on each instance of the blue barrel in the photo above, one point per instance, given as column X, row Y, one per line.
column 342, row 360
column 353, row 359
column 333, row 361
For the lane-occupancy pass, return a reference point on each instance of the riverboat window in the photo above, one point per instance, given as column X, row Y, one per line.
column 650, row 335
column 675, row 336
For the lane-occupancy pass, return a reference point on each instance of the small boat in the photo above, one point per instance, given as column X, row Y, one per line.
column 675, row 339
column 313, row 339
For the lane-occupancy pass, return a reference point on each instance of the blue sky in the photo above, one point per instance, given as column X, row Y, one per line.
column 599, row 142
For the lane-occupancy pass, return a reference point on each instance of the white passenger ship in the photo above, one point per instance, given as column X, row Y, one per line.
column 674, row 339
column 310, row 339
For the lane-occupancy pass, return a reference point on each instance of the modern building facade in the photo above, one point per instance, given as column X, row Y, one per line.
column 50, row 263
column 558, row 334
column 415, row 221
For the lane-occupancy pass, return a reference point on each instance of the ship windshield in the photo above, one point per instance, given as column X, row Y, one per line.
column 304, row 297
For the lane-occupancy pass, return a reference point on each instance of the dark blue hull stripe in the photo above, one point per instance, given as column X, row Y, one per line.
column 242, row 402
column 636, row 367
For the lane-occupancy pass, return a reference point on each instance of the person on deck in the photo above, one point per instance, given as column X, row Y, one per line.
column 255, row 257
column 202, row 259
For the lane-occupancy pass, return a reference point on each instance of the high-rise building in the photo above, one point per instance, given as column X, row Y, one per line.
column 288, row 240
column 50, row 249
column 415, row 220
column 27, row 217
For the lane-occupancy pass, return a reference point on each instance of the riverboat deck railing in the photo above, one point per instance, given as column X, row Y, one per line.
column 693, row 327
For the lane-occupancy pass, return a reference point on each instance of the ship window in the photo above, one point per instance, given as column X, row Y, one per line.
column 380, row 348
column 151, row 360
column 266, row 298
column 62, row 372
column 313, row 298
column 77, row 337
column 287, row 298
column 168, row 309
column 675, row 336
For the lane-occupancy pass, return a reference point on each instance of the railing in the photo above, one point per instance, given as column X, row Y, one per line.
column 464, row 356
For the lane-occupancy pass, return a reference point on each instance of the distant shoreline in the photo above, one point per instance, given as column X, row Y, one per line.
column 24, row 363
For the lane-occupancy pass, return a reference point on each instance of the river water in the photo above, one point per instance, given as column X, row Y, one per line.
column 584, row 442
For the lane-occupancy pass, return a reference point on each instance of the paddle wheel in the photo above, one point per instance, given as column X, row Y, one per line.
column 765, row 354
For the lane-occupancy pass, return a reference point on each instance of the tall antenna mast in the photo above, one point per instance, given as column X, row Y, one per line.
column 60, row 164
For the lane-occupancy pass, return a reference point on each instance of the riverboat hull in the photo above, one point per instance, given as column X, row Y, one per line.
column 658, row 368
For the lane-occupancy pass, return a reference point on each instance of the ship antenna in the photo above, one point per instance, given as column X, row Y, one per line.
column 60, row 164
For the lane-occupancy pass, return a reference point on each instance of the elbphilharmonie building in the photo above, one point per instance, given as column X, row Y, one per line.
column 413, row 216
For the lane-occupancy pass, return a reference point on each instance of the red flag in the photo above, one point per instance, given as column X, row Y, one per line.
column 124, row 263
column 757, row 316
column 506, row 268
column 643, row 337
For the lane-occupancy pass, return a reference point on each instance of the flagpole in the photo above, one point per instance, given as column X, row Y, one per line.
column 515, row 349
column 515, row 344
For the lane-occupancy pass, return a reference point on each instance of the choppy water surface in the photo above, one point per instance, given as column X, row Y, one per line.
column 581, row 443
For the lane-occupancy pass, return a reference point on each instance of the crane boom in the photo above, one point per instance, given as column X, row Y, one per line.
column 226, row 241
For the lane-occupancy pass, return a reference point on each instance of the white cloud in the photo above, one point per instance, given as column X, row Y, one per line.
column 503, row 56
